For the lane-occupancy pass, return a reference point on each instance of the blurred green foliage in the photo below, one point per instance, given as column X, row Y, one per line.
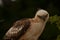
column 58, row 37
column 56, row 19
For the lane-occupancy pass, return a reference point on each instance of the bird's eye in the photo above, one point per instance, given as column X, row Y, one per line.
column 42, row 17
column 46, row 15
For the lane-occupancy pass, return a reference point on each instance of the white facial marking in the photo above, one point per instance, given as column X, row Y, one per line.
column 41, row 12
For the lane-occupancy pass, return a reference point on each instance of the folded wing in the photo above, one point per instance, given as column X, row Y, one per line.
column 17, row 30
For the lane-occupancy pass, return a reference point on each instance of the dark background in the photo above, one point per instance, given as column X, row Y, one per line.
column 11, row 11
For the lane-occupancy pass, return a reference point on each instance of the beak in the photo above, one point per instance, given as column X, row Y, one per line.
column 43, row 17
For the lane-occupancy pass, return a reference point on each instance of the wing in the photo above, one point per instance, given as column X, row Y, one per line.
column 17, row 30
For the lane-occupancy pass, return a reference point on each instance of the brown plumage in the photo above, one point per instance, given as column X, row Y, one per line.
column 28, row 29
column 17, row 30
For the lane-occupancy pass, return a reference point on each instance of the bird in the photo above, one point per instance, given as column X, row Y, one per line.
column 28, row 28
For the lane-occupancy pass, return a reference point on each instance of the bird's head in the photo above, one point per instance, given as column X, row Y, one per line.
column 42, row 14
